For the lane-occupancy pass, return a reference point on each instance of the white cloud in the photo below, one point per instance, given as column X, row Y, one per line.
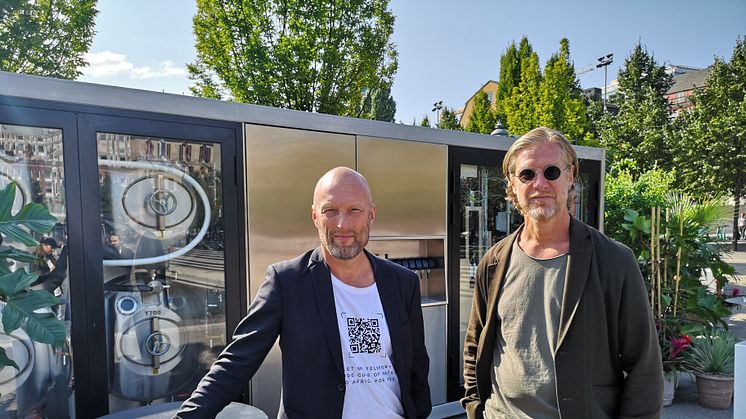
column 107, row 64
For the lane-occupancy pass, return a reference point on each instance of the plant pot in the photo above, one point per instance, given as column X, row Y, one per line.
column 714, row 391
column 670, row 382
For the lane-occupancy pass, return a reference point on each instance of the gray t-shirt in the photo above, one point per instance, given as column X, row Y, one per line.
column 528, row 312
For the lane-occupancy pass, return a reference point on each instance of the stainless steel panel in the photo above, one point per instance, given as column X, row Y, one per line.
column 283, row 166
column 435, row 341
column 408, row 181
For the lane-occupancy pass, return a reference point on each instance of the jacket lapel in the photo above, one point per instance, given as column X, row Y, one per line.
column 578, row 266
column 322, row 286
column 496, row 270
column 390, row 302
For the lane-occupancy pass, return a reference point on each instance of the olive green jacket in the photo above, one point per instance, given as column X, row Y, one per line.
column 607, row 360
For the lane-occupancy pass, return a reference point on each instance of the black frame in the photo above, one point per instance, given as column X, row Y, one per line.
column 456, row 157
column 464, row 155
column 80, row 123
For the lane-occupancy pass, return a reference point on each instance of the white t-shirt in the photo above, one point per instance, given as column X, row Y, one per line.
column 372, row 385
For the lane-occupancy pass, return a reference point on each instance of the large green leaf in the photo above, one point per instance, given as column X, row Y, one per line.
column 14, row 282
column 630, row 215
column 13, row 231
column 46, row 328
column 36, row 217
column 5, row 361
column 17, row 254
column 33, row 216
column 7, row 197
column 706, row 299
column 22, row 308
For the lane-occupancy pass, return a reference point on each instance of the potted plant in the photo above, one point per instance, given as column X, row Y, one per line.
column 673, row 345
column 711, row 358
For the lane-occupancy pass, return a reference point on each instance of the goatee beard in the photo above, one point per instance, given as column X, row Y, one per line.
column 344, row 252
column 542, row 213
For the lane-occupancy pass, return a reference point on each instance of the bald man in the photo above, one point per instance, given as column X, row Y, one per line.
column 350, row 324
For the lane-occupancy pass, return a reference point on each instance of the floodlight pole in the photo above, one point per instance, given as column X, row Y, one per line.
column 437, row 106
column 604, row 62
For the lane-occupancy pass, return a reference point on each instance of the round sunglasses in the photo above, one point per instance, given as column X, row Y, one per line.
column 551, row 172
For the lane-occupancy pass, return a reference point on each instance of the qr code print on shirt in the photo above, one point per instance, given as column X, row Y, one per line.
column 365, row 335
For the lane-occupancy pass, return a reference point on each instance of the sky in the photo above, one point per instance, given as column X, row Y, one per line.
column 447, row 49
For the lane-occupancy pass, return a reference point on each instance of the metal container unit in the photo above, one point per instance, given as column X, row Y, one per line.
column 438, row 203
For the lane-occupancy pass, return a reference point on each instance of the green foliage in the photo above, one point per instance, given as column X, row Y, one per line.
column 711, row 137
column 521, row 106
column 46, row 37
column 425, row 122
column 526, row 98
column 379, row 106
column 713, row 353
column 23, row 307
column 482, row 118
column 321, row 56
column 448, row 120
column 684, row 250
column 561, row 105
column 641, row 129
column 510, row 75
column 32, row 216
column 623, row 194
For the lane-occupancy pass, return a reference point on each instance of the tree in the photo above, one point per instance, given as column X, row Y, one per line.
column 448, row 120
column 46, row 37
column 315, row 55
column 561, row 105
column 511, row 63
column 712, row 135
column 425, row 122
column 510, row 76
column 379, row 106
column 483, row 117
column 521, row 106
column 637, row 136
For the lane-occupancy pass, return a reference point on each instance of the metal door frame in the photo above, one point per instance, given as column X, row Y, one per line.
column 80, row 124
column 456, row 157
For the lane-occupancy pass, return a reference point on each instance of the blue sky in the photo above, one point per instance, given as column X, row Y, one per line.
column 447, row 49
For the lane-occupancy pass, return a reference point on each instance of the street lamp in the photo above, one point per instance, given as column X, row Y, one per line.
column 604, row 62
column 437, row 106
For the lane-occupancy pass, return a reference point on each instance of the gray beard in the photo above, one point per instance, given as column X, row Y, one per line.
column 344, row 252
column 542, row 214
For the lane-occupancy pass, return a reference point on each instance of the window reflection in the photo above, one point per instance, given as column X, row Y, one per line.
column 486, row 217
column 163, row 239
column 32, row 157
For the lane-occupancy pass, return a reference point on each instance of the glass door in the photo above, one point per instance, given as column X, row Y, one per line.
column 480, row 217
column 160, row 231
column 32, row 159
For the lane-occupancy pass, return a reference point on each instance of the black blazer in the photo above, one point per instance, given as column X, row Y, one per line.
column 296, row 303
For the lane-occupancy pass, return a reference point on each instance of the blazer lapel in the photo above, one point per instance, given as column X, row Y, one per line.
column 322, row 286
column 390, row 302
column 578, row 267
